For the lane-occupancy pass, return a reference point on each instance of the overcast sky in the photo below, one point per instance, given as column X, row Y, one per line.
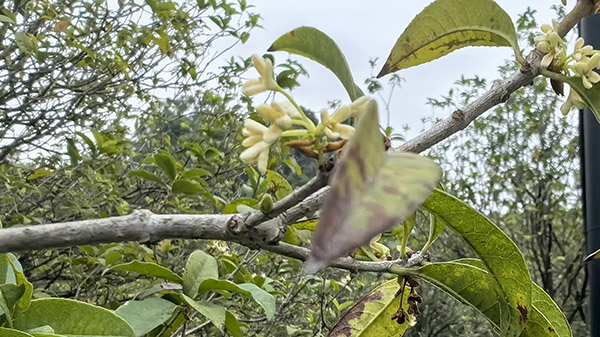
column 368, row 29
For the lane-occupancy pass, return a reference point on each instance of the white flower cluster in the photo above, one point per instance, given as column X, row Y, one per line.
column 282, row 115
column 582, row 62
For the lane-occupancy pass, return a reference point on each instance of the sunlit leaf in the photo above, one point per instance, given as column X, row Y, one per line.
column 317, row 46
column 66, row 316
column 278, row 184
column 447, row 25
column 372, row 315
column 468, row 281
column 370, row 192
column 6, row 332
column 497, row 251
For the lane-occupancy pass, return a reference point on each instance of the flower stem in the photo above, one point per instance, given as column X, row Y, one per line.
column 294, row 133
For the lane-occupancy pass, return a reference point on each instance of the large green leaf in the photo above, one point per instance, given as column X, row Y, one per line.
column 447, row 25
column 370, row 192
column 5, row 332
column 69, row 317
column 188, row 187
column 262, row 297
column 145, row 315
column 468, row 281
column 278, row 184
column 150, row 269
column 372, row 315
column 167, row 164
column 499, row 254
column 316, row 45
column 199, row 267
column 591, row 96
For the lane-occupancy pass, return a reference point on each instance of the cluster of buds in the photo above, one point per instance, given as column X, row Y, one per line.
column 259, row 137
column 582, row 62
column 282, row 116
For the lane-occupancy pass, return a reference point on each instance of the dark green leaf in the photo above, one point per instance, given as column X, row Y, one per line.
column 200, row 266
column 146, row 175
column 167, row 164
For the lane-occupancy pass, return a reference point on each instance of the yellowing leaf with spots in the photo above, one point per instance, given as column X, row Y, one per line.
column 371, row 191
column 448, row 25
column 372, row 315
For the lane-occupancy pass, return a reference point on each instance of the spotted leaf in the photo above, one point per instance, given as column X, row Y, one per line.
column 371, row 191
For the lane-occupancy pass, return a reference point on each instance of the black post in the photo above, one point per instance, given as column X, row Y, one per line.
column 589, row 29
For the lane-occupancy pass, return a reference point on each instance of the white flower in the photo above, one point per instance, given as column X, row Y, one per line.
column 258, row 152
column 266, row 80
column 358, row 106
column 585, row 69
column 581, row 51
column 332, row 124
column 279, row 114
column 548, row 43
column 573, row 101
column 258, row 141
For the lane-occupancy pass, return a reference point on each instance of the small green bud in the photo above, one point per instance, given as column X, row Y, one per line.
column 266, row 204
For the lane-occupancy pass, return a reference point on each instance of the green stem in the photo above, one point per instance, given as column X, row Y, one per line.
column 301, row 122
column 311, row 125
column 370, row 254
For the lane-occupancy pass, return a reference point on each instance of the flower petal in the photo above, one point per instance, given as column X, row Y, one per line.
column 263, row 161
column 253, row 127
column 287, row 107
column 344, row 130
column 253, row 87
column 250, row 155
column 272, row 134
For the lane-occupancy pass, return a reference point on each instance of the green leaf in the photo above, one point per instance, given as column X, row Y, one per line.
column 27, row 43
column 447, row 25
column 195, row 173
column 4, row 268
column 278, row 184
column 262, row 297
column 213, row 311
column 149, row 269
column 87, row 141
column 435, row 229
column 73, row 152
column 6, row 19
column 497, row 251
column 233, row 325
column 165, row 161
column 591, row 96
column 468, row 281
column 189, row 187
column 232, row 207
column 317, row 46
column 5, row 332
column 199, row 267
column 70, row 317
column 146, row 175
column 145, row 315
column 370, row 192
column 372, row 315
column 24, row 301
column 38, row 174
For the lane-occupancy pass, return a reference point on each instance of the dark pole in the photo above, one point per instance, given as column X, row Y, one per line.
column 589, row 29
